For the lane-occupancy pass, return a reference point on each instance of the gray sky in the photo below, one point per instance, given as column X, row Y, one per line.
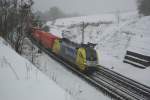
column 86, row 6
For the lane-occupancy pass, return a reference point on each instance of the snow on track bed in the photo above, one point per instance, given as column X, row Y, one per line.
column 124, row 91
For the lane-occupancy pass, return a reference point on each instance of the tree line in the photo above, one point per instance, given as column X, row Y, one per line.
column 15, row 20
column 54, row 13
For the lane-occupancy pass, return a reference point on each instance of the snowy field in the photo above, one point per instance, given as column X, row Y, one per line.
column 106, row 17
column 20, row 80
column 112, row 39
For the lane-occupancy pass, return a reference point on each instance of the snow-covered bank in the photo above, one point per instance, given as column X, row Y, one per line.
column 73, row 84
column 133, row 36
column 20, row 80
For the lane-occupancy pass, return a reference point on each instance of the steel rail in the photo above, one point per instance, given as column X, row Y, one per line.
column 119, row 87
column 141, row 89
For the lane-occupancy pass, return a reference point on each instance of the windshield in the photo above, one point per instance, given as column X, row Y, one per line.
column 91, row 54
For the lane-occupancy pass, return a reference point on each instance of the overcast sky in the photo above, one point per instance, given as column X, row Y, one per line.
column 86, row 7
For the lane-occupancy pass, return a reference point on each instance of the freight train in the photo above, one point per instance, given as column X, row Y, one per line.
column 84, row 56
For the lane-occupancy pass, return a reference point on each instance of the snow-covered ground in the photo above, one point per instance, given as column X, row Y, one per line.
column 20, row 80
column 113, row 39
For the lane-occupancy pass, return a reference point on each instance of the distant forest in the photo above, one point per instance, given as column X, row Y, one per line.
column 54, row 13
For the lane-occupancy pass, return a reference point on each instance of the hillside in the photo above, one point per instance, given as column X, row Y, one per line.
column 113, row 39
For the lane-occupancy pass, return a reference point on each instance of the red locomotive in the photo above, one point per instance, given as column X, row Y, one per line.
column 45, row 38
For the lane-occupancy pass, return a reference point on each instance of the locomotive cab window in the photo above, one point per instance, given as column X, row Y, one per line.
column 91, row 54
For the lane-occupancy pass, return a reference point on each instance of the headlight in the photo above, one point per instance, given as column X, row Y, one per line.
column 91, row 63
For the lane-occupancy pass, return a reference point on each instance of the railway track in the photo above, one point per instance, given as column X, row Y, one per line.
column 109, row 82
column 133, row 88
column 124, row 87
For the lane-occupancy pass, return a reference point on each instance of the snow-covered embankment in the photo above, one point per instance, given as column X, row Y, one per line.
column 20, row 80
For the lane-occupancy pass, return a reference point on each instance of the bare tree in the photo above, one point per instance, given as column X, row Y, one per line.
column 15, row 20
column 24, row 24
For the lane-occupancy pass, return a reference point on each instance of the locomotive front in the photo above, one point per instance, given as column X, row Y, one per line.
column 91, row 57
column 87, row 59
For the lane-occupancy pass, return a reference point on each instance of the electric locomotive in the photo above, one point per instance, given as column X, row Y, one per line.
column 83, row 55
